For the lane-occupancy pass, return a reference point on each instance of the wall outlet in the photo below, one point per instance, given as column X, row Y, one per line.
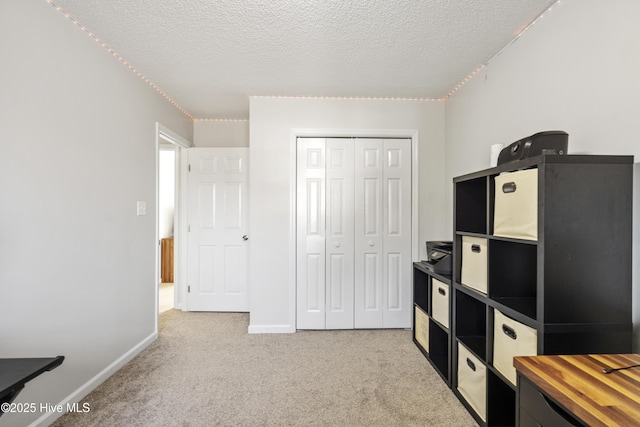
column 141, row 208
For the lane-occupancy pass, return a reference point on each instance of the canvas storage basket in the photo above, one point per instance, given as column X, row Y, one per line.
column 474, row 263
column 440, row 302
column 510, row 339
column 472, row 381
column 516, row 205
column 422, row 328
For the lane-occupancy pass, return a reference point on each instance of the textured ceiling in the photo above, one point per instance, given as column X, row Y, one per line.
column 209, row 56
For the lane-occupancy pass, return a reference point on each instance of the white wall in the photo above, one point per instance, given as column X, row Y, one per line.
column 77, row 266
column 166, row 191
column 576, row 70
column 221, row 133
column 272, row 294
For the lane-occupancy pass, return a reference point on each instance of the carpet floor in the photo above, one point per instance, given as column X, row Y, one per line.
column 205, row 370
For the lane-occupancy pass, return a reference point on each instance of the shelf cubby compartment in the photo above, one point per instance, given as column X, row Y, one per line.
column 471, row 321
column 439, row 349
column 513, row 277
column 471, row 205
column 501, row 407
column 421, row 289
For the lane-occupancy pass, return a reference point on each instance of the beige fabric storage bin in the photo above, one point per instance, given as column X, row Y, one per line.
column 516, row 205
column 474, row 263
column 440, row 302
column 472, row 381
column 510, row 339
column 422, row 328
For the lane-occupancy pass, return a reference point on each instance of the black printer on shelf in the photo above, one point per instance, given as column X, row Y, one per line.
column 439, row 257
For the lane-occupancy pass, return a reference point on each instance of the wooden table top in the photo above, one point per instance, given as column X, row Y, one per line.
column 578, row 383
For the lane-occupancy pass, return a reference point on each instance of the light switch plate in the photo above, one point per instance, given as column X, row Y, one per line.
column 141, row 208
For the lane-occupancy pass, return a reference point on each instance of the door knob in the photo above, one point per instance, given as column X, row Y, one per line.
column 371, row 244
column 338, row 245
column 245, row 237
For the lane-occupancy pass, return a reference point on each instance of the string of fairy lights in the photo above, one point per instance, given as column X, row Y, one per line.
column 512, row 41
column 121, row 59
column 355, row 98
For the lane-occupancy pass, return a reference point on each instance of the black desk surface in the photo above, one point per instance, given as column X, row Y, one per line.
column 14, row 373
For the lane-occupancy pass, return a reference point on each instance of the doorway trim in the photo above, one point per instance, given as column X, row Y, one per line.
column 166, row 135
column 296, row 133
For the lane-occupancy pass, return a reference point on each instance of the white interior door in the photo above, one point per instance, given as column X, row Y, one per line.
column 217, row 238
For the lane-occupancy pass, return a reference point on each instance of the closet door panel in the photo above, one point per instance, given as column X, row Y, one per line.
column 397, row 233
column 311, row 225
column 339, row 234
column 368, row 233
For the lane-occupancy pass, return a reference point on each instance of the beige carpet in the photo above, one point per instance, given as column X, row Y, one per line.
column 205, row 370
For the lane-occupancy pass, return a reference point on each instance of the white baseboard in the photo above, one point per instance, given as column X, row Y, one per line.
column 271, row 329
column 89, row 386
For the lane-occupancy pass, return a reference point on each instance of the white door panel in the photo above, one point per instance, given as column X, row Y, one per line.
column 217, row 251
column 369, row 233
column 339, row 238
column 311, row 254
column 397, row 233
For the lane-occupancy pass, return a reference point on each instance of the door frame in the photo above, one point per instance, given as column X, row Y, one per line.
column 164, row 135
column 296, row 133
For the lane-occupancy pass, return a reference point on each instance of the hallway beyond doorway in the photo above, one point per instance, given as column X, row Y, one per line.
column 165, row 297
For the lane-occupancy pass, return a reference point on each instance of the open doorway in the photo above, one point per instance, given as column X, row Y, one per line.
column 170, row 152
column 166, row 224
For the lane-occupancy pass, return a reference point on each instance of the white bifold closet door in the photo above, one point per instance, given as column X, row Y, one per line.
column 353, row 233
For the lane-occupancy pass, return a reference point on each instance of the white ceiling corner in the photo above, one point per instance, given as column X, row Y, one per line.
column 210, row 56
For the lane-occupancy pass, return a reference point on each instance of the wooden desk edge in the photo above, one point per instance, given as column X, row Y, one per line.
column 522, row 365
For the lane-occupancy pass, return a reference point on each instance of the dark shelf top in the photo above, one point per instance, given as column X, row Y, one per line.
column 420, row 266
column 545, row 158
